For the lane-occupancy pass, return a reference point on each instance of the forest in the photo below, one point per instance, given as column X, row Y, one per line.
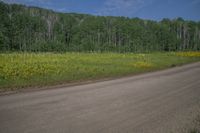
column 34, row 29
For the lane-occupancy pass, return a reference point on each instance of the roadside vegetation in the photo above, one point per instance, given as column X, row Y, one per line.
column 18, row 70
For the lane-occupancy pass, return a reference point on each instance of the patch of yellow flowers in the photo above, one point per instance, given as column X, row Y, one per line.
column 25, row 71
column 188, row 54
column 25, row 66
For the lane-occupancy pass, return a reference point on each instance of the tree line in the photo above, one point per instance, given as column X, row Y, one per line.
column 35, row 29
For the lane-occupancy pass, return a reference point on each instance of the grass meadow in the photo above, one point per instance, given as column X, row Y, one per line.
column 21, row 70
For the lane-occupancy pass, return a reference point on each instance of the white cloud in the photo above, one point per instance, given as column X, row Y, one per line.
column 34, row 2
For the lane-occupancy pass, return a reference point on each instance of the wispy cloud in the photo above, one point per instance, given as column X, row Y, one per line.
column 25, row 1
column 196, row 2
column 122, row 7
column 31, row 2
column 49, row 4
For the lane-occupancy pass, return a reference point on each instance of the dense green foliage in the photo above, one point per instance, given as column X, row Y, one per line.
column 34, row 29
column 40, row 69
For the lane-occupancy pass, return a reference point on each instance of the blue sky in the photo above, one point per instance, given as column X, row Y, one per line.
column 146, row 9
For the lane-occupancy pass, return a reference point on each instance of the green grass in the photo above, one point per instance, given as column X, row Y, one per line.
column 21, row 70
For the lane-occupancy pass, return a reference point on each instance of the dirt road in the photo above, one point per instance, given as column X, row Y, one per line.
column 159, row 102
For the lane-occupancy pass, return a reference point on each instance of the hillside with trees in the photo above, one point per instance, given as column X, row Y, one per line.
column 34, row 29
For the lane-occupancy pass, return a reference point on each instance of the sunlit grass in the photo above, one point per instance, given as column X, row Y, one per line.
column 39, row 69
